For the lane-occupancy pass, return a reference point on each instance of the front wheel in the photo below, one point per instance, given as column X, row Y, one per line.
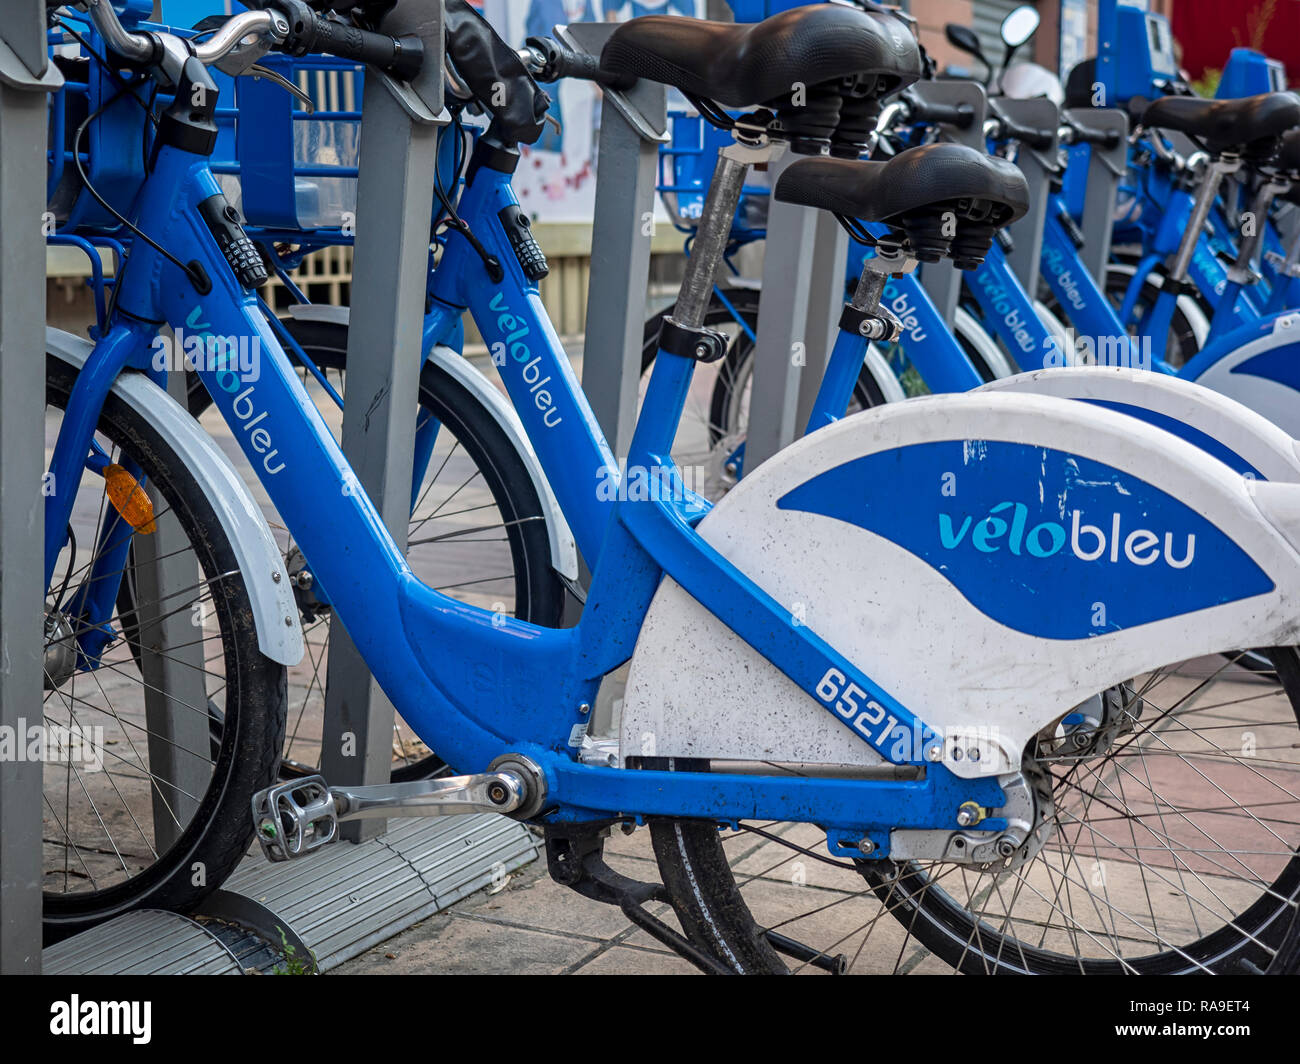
column 141, row 807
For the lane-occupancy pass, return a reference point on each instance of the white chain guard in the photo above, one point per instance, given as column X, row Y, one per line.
column 695, row 689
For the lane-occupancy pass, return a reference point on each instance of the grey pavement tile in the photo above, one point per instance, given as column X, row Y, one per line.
column 460, row 945
column 623, row 961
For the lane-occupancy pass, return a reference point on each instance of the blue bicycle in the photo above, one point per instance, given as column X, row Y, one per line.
column 984, row 729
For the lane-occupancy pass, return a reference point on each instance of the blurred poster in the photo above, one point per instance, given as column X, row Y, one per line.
column 556, row 177
column 1074, row 35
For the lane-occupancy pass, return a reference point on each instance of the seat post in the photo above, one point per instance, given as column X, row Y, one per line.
column 1217, row 170
column 863, row 316
column 890, row 260
column 871, row 286
column 714, row 231
column 1242, row 271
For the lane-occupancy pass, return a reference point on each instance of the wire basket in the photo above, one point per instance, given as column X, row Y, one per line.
column 112, row 149
column 295, row 166
column 288, row 165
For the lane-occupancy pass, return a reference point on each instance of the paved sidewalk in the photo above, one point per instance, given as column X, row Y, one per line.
column 532, row 926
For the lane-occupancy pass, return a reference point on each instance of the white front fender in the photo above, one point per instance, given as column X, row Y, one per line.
column 241, row 519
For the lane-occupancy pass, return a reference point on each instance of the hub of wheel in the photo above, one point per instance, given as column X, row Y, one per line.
column 1028, row 813
column 60, row 648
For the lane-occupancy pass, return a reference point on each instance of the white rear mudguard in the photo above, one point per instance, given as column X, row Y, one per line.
column 1222, row 427
column 991, row 560
column 1261, row 372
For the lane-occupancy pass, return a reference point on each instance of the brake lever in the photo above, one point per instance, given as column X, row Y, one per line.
column 244, row 55
column 256, row 70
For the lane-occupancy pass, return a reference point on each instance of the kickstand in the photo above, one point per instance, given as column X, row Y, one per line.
column 575, row 858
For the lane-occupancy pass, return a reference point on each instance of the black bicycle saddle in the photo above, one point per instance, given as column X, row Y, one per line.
column 806, row 64
column 1248, row 125
column 913, row 192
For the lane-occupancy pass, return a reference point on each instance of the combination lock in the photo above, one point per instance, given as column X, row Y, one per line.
column 520, row 234
column 1072, row 230
column 241, row 253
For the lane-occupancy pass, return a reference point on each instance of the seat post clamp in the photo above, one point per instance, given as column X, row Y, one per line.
column 703, row 345
column 879, row 324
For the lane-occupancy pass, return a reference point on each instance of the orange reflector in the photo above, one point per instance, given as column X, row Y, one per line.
column 129, row 499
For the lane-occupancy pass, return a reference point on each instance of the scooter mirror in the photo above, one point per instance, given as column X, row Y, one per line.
column 1019, row 26
column 964, row 39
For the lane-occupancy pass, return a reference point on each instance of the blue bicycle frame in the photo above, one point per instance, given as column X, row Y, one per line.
column 1009, row 313
column 472, row 685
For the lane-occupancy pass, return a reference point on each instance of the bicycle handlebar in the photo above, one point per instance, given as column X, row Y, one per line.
column 400, row 56
column 960, row 115
column 1039, row 139
column 550, row 60
column 143, row 48
column 1074, row 132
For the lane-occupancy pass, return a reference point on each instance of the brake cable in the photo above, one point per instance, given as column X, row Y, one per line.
column 457, row 223
column 855, row 230
column 798, row 849
column 125, row 88
column 127, row 223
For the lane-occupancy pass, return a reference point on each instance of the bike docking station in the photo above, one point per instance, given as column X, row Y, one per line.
column 1039, row 119
column 967, row 100
column 1107, row 163
column 633, row 123
column 381, row 876
column 26, row 77
column 829, row 728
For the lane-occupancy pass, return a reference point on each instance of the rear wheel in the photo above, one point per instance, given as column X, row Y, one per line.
column 477, row 532
column 1172, row 849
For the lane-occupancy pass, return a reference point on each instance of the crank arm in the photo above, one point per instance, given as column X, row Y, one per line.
column 298, row 817
column 488, row 792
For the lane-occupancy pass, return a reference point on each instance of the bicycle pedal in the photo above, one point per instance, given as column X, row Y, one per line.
column 295, row 818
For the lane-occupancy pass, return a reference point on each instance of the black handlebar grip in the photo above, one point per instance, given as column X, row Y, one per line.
column 1034, row 138
column 960, row 115
column 1103, row 138
column 564, row 62
column 401, row 57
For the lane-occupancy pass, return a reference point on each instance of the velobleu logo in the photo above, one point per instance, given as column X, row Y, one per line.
column 1034, row 538
column 252, row 421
